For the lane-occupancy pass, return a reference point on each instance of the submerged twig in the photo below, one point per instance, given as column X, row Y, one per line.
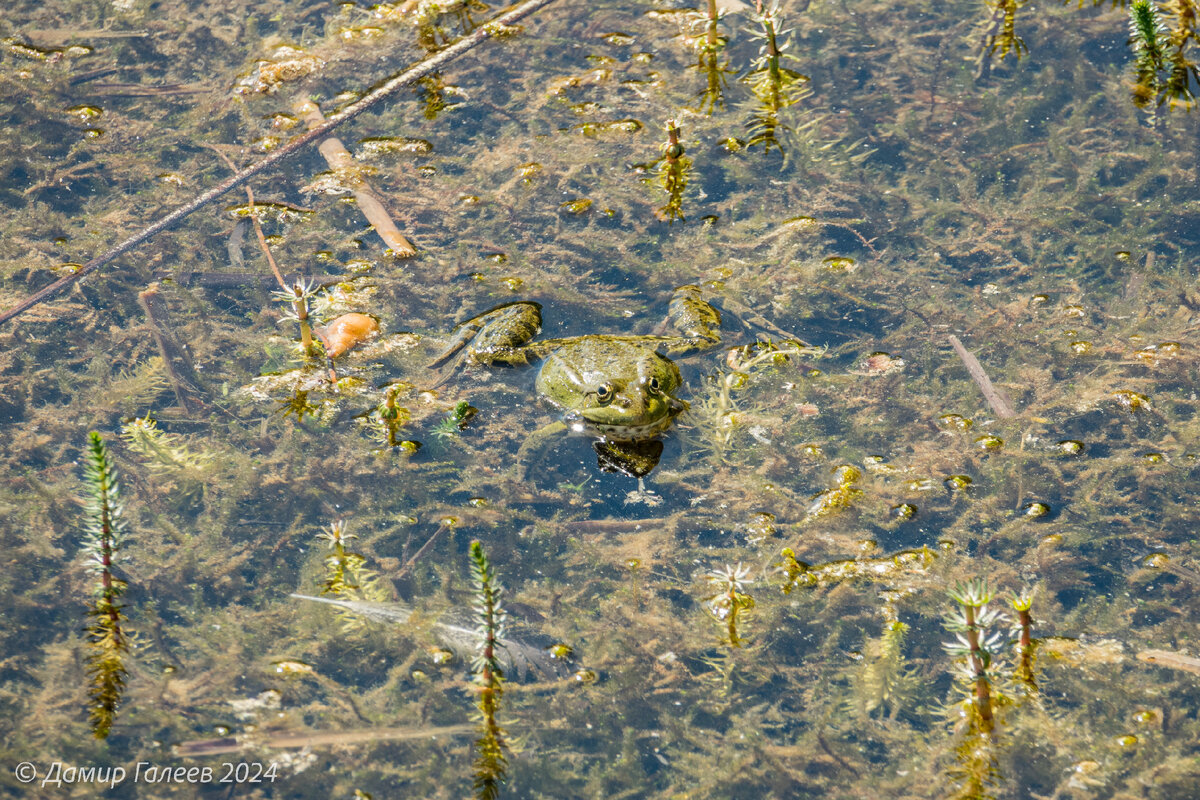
column 499, row 26
column 417, row 555
column 996, row 400
column 339, row 159
column 235, row 744
column 1167, row 658
column 236, row 280
column 180, row 369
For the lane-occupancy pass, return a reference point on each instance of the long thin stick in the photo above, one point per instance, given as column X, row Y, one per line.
column 231, row 744
column 386, row 90
column 428, row 543
column 995, row 399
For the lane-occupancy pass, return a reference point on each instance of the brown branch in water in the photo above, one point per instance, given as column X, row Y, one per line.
column 232, row 744
column 1167, row 658
column 234, row 280
column 258, row 231
column 417, row 555
column 995, row 399
column 499, row 26
column 843, row 763
column 137, row 90
column 262, row 242
column 301, row 308
column 180, row 370
column 339, row 158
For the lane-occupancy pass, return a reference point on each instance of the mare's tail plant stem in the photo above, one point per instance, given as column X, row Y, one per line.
column 500, row 26
column 108, row 642
column 775, row 86
column 709, row 47
column 673, row 174
column 970, row 622
column 730, row 599
column 983, row 691
column 1148, row 38
column 1022, row 603
column 491, row 760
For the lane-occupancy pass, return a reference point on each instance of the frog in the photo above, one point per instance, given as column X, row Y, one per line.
column 622, row 391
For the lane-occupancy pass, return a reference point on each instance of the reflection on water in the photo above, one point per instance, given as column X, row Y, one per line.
column 990, row 437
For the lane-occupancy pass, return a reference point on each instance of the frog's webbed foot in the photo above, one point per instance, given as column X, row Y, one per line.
column 496, row 336
column 635, row 459
column 535, row 445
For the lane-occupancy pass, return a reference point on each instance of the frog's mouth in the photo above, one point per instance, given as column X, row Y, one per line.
column 594, row 422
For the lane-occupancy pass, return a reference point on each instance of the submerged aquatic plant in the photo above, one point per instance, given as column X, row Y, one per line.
column 1001, row 36
column 134, row 389
column 887, row 680
column 166, row 454
column 977, row 646
column 1163, row 71
column 775, row 87
column 730, row 599
column 435, row 92
column 1023, row 630
column 297, row 297
column 391, row 416
column 491, row 748
column 455, row 421
column 673, row 172
column 347, row 576
column 798, row 574
column 842, row 495
column 709, row 48
column 108, row 641
column 717, row 417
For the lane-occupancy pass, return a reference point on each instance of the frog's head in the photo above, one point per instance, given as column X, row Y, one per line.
column 620, row 394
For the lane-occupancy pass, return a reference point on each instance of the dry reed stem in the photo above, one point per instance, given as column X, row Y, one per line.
column 1167, row 658
column 995, row 399
column 339, row 159
column 231, row 744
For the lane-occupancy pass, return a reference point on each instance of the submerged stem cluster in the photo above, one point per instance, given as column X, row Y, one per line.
column 982, row 648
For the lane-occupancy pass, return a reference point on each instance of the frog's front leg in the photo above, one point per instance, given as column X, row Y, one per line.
column 497, row 336
column 535, row 444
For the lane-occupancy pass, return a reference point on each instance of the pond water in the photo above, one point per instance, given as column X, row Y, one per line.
column 887, row 215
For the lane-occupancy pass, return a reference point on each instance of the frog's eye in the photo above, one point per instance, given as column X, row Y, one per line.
column 604, row 393
column 655, row 386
